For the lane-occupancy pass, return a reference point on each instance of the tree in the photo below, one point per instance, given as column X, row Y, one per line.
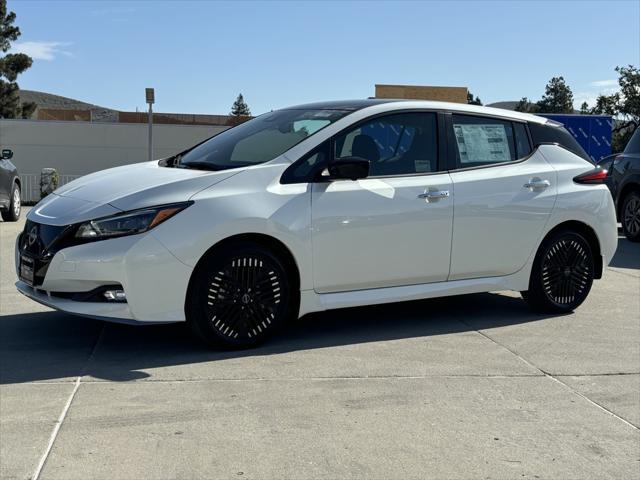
column 239, row 112
column 473, row 101
column 623, row 105
column 524, row 105
column 11, row 65
column 584, row 108
column 606, row 104
column 557, row 97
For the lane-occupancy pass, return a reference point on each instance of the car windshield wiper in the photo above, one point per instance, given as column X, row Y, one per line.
column 198, row 166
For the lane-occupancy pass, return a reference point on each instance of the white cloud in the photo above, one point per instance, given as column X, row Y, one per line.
column 593, row 90
column 591, row 96
column 41, row 50
column 580, row 97
column 604, row 83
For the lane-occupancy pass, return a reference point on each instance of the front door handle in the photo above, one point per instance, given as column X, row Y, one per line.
column 434, row 194
column 537, row 184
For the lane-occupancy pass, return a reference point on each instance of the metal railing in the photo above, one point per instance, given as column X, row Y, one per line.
column 30, row 183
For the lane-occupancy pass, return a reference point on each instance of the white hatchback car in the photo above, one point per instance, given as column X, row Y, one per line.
column 324, row 206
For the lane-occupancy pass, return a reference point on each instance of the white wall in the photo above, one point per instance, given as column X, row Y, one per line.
column 78, row 148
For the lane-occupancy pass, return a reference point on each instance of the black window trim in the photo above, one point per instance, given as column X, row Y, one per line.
column 453, row 147
column 447, row 148
column 287, row 176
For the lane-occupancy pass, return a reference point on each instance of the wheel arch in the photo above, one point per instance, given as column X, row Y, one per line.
column 626, row 189
column 589, row 234
column 267, row 241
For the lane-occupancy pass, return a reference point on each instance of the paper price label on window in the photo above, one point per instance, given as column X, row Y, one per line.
column 482, row 143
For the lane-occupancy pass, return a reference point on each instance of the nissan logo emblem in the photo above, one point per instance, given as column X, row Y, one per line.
column 32, row 236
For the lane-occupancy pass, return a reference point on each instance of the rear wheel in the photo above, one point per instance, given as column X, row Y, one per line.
column 631, row 216
column 239, row 296
column 13, row 212
column 562, row 274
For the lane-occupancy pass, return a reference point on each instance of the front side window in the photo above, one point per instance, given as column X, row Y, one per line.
column 397, row 144
column 259, row 140
column 483, row 141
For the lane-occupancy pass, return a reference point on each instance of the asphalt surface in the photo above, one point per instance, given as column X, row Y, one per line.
column 463, row 387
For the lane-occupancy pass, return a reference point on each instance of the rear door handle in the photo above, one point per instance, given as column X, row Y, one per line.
column 537, row 184
column 434, row 194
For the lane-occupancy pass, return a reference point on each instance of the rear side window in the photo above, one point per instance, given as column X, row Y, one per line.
column 555, row 133
column 634, row 144
column 483, row 141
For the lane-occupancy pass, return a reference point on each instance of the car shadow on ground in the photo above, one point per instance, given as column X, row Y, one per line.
column 627, row 254
column 50, row 346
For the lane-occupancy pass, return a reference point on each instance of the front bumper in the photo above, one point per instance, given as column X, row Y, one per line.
column 116, row 312
column 155, row 281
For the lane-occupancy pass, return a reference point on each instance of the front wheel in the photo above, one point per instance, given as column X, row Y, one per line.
column 631, row 216
column 13, row 213
column 562, row 274
column 239, row 296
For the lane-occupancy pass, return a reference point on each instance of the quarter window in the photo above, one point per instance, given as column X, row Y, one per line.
column 523, row 146
column 398, row 144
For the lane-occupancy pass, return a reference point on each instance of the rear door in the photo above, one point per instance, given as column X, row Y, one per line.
column 503, row 196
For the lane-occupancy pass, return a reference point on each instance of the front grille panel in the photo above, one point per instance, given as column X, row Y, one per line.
column 40, row 242
column 39, row 239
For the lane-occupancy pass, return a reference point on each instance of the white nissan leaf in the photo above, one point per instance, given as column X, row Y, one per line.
column 325, row 206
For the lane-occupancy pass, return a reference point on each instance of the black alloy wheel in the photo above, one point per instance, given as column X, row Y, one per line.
column 240, row 296
column 631, row 216
column 562, row 274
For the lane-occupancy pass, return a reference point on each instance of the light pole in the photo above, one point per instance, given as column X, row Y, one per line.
column 150, row 94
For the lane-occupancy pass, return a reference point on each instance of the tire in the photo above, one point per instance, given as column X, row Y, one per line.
column 562, row 274
column 631, row 216
column 239, row 296
column 13, row 213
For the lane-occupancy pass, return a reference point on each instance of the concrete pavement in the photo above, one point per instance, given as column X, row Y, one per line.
column 463, row 387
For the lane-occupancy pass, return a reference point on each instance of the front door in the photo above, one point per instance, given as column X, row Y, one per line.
column 394, row 227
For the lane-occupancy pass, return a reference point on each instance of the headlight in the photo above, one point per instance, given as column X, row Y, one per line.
column 128, row 223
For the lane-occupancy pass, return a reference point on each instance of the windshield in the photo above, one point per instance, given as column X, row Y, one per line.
column 260, row 139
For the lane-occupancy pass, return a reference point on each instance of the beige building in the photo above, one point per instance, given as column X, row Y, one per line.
column 423, row 92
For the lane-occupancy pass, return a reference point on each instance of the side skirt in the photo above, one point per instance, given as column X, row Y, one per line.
column 310, row 301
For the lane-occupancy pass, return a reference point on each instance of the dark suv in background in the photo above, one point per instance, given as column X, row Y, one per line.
column 9, row 188
column 623, row 180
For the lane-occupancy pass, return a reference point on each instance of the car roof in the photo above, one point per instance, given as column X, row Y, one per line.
column 350, row 105
column 359, row 104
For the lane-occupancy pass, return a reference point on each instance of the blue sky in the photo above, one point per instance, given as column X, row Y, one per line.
column 200, row 54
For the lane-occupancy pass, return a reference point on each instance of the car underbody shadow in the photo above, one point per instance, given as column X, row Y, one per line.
column 53, row 346
column 627, row 255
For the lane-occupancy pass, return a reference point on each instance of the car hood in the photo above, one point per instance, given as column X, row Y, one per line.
column 121, row 189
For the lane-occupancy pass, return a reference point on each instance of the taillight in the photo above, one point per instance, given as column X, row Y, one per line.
column 595, row 176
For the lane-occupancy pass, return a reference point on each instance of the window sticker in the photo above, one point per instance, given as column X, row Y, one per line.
column 482, row 143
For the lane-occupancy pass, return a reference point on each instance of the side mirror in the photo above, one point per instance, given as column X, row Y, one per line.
column 7, row 154
column 352, row 168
